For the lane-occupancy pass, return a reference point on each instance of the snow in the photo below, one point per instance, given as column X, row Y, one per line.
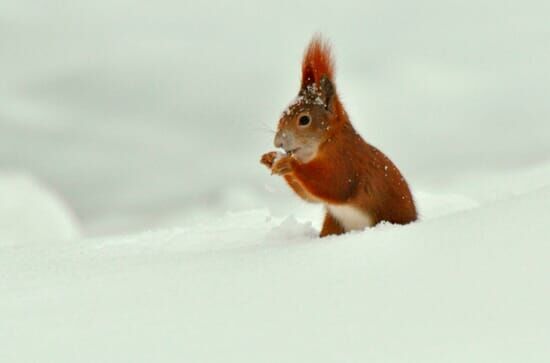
column 137, row 224
column 29, row 212
column 470, row 286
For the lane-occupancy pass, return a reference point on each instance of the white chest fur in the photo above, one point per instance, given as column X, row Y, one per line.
column 349, row 217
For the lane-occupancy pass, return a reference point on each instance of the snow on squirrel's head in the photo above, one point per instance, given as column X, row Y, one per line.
column 310, row 119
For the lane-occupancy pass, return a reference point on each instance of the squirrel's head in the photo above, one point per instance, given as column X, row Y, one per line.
column 308, row 121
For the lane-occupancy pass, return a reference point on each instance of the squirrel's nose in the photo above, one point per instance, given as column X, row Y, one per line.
column 284, row 140
column 279, row 140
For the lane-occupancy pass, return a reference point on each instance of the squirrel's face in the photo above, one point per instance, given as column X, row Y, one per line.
column 305, row 125
column 301, row 131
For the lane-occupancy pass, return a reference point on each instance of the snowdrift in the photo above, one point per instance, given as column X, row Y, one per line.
column 30, row 212
column 466, row 287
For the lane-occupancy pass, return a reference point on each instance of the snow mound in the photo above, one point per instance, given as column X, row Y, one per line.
column 31, row 212
column 432, row 205
column 290, row 229
column 466, row 287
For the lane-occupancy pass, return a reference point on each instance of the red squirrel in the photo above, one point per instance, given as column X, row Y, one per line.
column 328, row 162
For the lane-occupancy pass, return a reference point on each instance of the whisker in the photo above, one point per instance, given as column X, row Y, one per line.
column 267, row 126
column 259, row 127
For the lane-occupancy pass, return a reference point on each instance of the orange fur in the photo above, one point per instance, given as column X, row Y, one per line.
column 317, row 62
column 331, row 226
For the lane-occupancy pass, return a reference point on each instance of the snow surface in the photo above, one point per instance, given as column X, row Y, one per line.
column 470, row 286
column 140, row 225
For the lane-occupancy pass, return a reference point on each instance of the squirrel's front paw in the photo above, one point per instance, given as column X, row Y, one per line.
column 282, row 166
column 269, row 158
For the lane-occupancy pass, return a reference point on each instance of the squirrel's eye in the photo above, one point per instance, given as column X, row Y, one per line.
column 304, row 120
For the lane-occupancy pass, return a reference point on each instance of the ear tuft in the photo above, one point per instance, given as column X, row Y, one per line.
column 317, row 62
column 327, row 90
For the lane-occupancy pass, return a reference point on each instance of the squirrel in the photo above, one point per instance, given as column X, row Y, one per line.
column 328, row 162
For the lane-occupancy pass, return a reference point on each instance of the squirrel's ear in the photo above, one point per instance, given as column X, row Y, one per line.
column 317, row 62
column 327, row 91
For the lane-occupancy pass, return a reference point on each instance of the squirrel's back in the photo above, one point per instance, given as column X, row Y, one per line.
column 379, row 187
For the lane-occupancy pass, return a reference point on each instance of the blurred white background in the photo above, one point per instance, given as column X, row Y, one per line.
column 146, row 114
